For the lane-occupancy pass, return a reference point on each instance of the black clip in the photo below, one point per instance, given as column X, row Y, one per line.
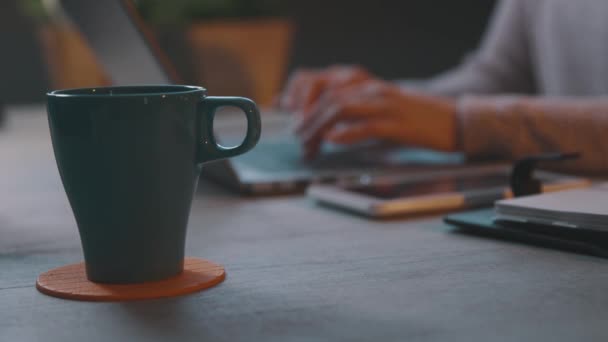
column 522, row 182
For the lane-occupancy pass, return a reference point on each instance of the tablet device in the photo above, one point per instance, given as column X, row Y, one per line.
column 482, row 223
column 440, row 191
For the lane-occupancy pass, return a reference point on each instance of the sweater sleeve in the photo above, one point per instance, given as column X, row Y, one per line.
column 501, row 64
column 516, row 126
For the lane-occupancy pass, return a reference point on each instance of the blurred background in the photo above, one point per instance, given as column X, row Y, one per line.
column 248, row 46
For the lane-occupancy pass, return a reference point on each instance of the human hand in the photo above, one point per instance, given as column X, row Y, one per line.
column 375, row 109
column 306, row 86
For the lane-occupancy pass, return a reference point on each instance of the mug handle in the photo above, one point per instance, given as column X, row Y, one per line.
column 209, row 148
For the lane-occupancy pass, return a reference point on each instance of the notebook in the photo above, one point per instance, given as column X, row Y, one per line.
column 578, row 209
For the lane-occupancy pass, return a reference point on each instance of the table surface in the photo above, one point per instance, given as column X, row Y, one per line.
column 296, row 271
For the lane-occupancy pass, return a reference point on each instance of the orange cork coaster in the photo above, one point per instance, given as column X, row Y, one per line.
column 70, row 282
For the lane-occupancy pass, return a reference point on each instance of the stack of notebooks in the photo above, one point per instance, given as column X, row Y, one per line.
column 577, row 209
column 574, row 220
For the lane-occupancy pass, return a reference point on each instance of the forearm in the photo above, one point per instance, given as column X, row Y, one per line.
column 516, row 126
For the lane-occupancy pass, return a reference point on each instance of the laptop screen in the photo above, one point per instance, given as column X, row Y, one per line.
column 111, row 29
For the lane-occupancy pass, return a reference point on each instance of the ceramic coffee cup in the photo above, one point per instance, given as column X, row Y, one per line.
column 129, row 159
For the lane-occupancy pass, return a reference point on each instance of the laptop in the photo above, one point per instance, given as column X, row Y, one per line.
column 130, row 55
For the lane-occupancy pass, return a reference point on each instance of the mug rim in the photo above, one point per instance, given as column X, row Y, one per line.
column 174, row 89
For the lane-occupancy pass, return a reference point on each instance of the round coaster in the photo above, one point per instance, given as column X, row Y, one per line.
column 70, row 282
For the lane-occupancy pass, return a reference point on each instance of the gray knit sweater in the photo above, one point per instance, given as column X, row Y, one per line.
column 538, row 83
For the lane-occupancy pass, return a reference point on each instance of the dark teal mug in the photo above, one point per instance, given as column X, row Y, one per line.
column 129, row 159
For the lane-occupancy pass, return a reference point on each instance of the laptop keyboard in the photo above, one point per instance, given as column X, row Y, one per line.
column 286, row 155
column 282, row 153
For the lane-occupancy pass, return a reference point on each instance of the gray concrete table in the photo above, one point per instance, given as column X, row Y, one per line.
column 296, row 272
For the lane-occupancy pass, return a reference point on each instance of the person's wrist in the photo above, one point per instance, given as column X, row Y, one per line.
column 431, row 121
column 437, row 124
column 447, row 123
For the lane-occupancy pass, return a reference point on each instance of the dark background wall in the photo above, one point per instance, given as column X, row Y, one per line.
column 395, row 39
column 407, row 38
column 22, row 72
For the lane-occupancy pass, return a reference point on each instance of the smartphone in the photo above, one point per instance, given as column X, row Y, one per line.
column 441, row 191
